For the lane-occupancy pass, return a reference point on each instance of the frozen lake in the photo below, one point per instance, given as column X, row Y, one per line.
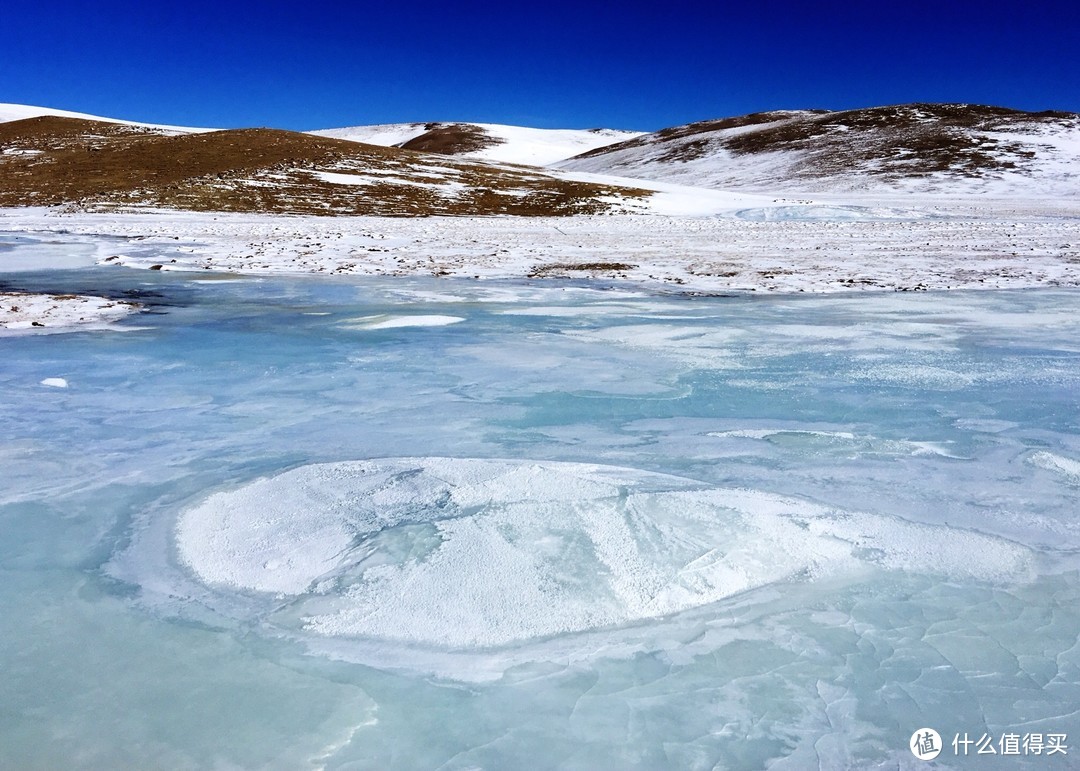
column 299, row 522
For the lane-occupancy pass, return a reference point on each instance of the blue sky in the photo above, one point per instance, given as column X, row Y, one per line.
column 306, row 65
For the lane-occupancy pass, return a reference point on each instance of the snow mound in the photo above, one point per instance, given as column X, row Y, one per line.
column 465, row 552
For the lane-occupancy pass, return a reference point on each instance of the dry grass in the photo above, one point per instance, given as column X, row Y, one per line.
column 50, row 161
column 562, row 268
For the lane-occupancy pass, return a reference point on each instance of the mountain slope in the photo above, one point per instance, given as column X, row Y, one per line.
column 51, row 160
column 959, row 149
column 484, row 141
column 13, row 112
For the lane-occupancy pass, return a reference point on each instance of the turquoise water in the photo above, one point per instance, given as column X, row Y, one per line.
column 837, row 519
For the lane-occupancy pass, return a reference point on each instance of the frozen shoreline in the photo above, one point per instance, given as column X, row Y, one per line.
column 806, row 246
column 27, row 313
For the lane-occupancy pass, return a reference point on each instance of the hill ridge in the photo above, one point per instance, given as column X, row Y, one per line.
column 963, row 148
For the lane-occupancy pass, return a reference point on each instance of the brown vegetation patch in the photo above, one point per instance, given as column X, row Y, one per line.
column 455, row 139
column 555, row 268
column 722, row 124
column 687, row 151
column 51, row 133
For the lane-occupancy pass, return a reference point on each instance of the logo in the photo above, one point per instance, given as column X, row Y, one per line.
column 925, row 744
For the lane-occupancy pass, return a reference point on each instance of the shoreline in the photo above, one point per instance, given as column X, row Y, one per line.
column 813, row 247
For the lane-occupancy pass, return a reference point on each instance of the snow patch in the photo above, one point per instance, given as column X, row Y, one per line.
column 396, row 322
column 1059, row 464
column 460, row 553
column 24, row 312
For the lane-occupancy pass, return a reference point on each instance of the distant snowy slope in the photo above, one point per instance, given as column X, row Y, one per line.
column 934, row 148
column 484, row 141
column 383, row 135
column 13, row 112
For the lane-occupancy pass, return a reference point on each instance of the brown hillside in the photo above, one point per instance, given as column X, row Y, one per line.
column 455, row 139
column 53, row 160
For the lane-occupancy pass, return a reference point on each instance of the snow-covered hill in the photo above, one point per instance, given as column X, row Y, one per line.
column 13, row 112
column 484, row 141
column 954, row 149
column 51, row 157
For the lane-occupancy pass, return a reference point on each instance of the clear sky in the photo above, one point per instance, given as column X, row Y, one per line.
column 320, row 64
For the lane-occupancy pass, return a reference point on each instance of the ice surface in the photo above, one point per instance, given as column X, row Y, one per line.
column 766, row 433
column 840, row 441
column 728, row 532
column 22, row 255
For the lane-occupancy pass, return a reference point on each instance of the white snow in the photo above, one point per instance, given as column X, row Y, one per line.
column 675, row 200
column 10, row 112
column 22, row 312
column 514, row 144
column 938, row 244
column 700, row 160
column 462, row 552
column 383, row 135
column 396, row 322
column 382, row 178
column 1066, row 467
